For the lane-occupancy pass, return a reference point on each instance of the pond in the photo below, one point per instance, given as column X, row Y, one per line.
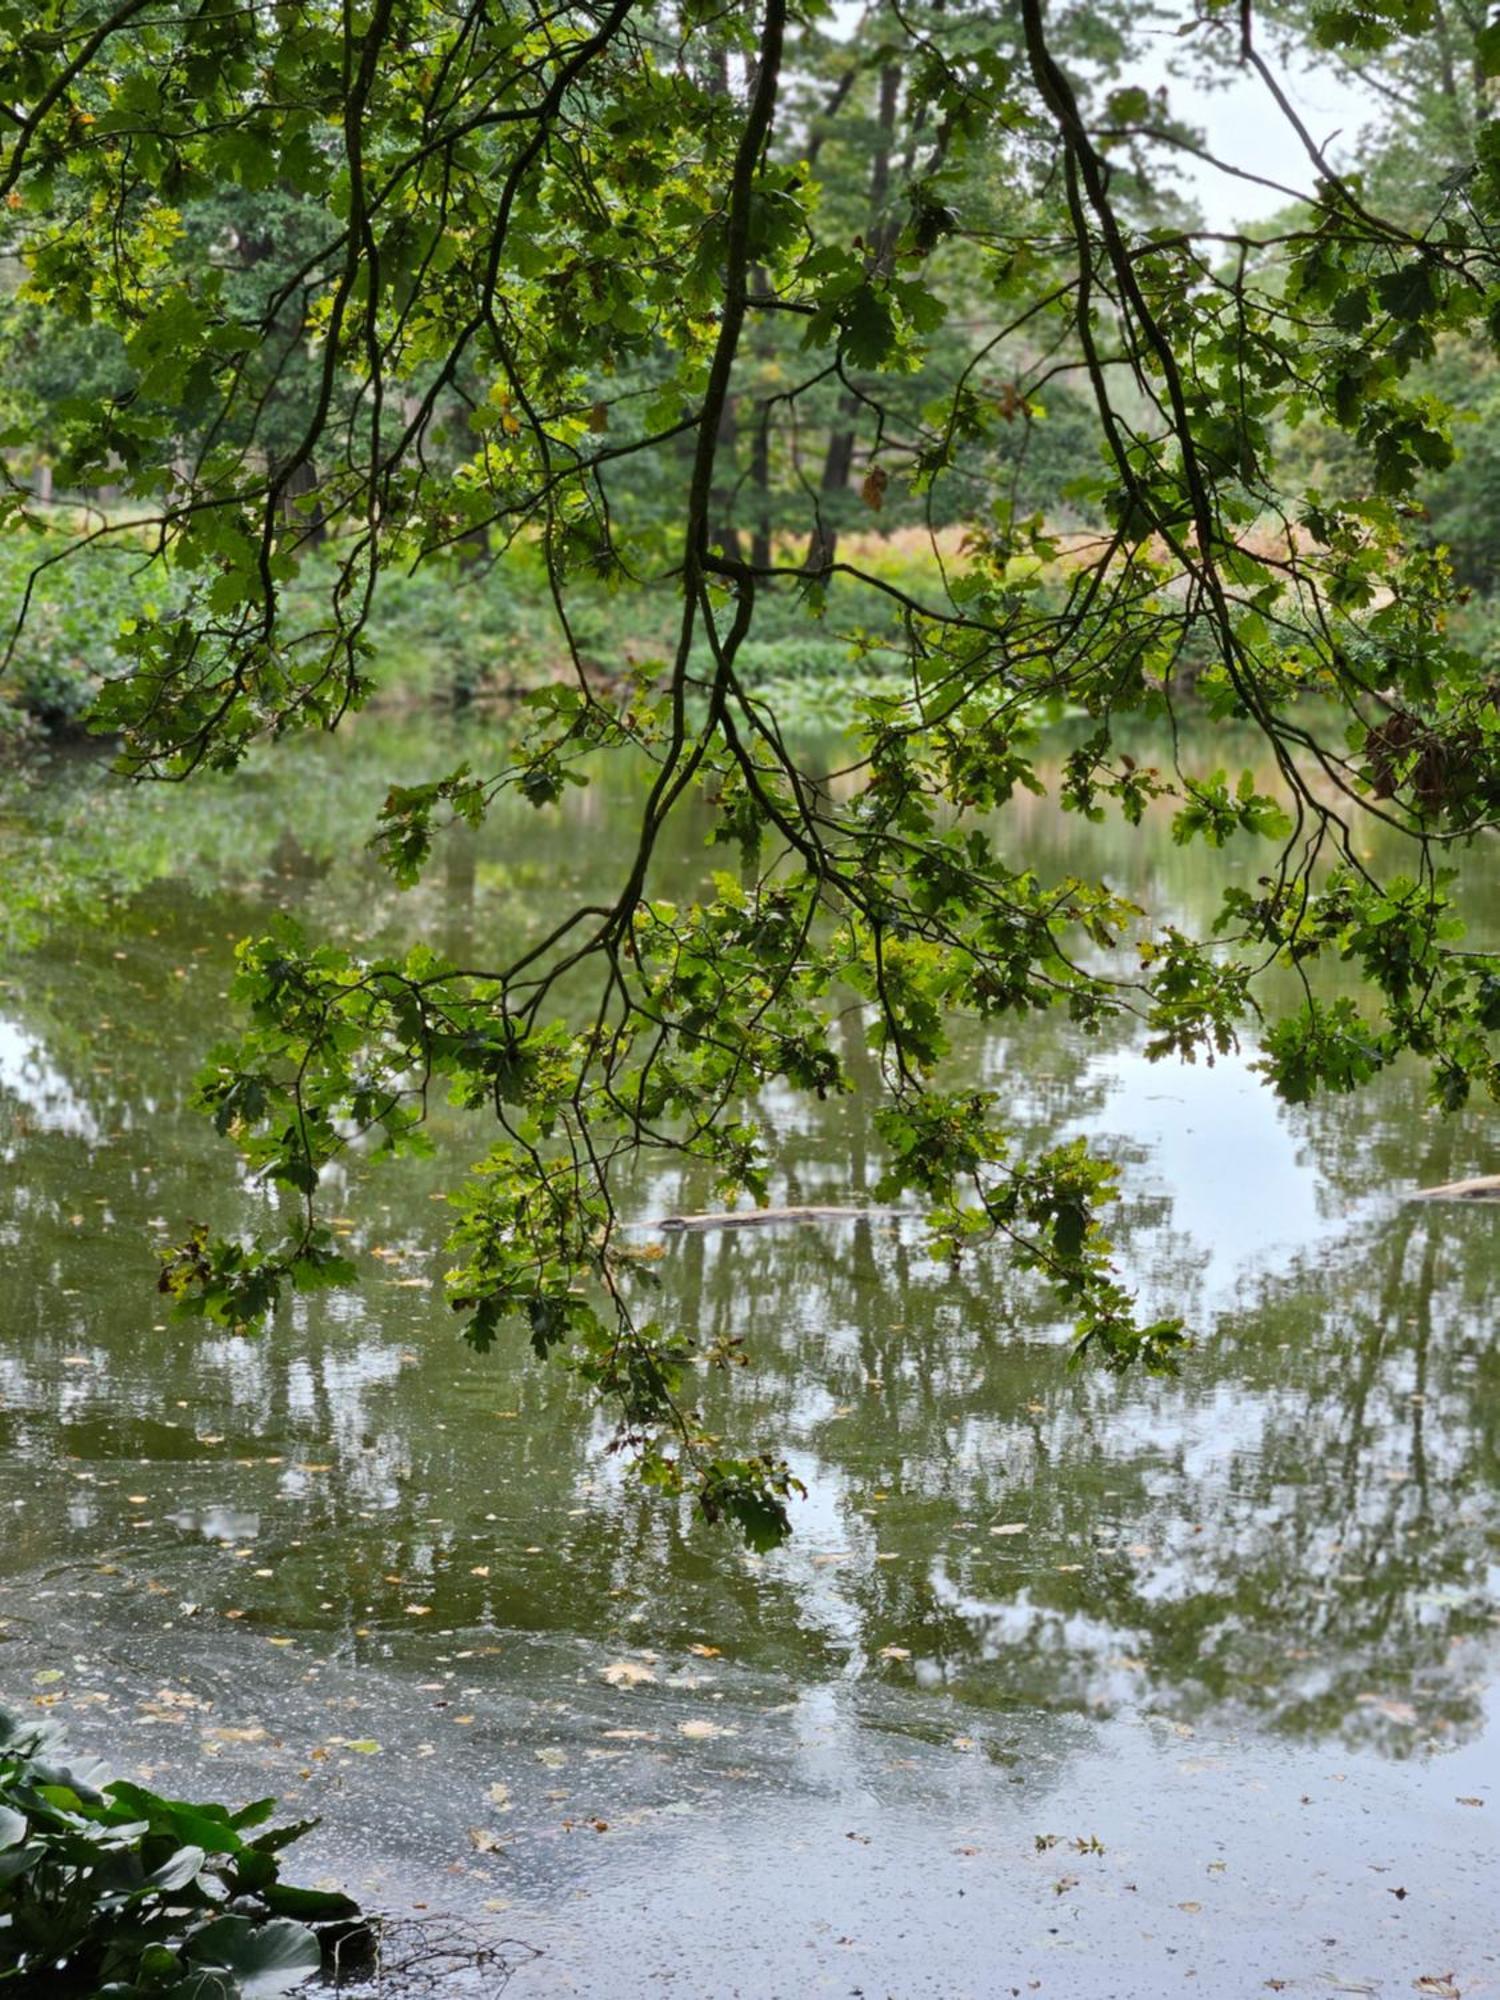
column 1067, row 1684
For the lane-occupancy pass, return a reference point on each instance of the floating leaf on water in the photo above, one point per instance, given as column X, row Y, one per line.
column 706, row 1652
column 365, row 1745
column 500, row 1796
column 698, row 1728
column 895, row 1652
column 1398, row 1711
column 483, row 1841
column 1011, row 1528
column 626, row 1674
column 552, row 1757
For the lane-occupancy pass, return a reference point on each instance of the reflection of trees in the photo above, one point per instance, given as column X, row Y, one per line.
column 1307, row 1508
column 1356, row 1562
column 1315, row 1533
column 1311, row 1496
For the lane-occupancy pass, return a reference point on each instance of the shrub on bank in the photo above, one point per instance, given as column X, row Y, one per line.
column 108, row 1890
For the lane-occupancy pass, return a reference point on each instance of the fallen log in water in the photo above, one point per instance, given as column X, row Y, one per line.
column 745, row 1218
column 1484, row 1187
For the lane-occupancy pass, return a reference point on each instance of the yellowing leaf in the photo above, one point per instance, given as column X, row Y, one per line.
column 626, row 1674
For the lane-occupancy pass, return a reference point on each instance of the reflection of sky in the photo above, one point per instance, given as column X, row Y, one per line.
column 27, row 1073
column 1225, row 1152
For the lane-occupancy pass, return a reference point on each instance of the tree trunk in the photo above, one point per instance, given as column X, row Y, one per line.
column 760, row 480
column 838, row 458
column 304, row 480
column 721, row 495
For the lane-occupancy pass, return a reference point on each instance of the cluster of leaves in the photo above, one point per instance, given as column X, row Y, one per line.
column 109, row 1892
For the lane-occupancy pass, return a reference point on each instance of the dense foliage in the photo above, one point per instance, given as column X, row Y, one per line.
column 108, row 1890
column 663, row 301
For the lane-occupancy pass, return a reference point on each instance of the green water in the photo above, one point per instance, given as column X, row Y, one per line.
column 1239, row 1628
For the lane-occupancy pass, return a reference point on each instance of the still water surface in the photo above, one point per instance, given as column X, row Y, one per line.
column 1238, row 1630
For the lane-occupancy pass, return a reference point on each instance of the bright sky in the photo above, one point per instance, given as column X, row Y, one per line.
column 1244, row 126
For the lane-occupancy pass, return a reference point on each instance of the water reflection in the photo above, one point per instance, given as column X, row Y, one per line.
column 1297, row 1536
